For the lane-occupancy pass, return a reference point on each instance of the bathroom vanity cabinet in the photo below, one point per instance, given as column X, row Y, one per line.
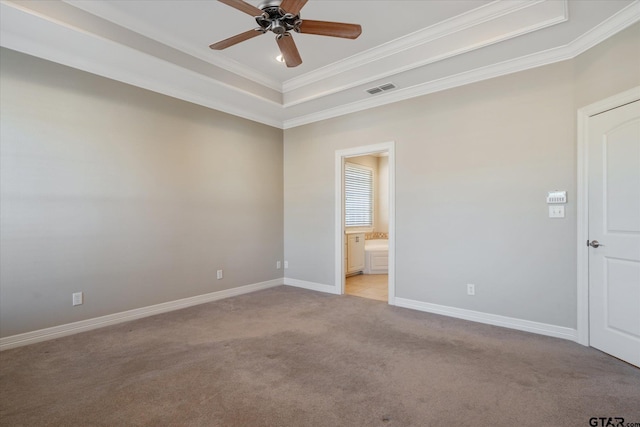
column 354, row 253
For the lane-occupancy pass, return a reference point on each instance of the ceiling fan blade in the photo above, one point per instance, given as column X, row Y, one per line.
column 292, row 6
column 289, row 50
column 235, row 39
column 331, row 29
column 243, row 7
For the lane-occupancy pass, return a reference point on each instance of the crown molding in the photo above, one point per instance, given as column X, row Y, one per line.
column 40, row 35
column 236, row 68
column 388, row 73
column 442, row 29
column 86, row 51
column 618, row 22
column 458, row 40
column 450, row 82
column 89, row 27
column 106, row 11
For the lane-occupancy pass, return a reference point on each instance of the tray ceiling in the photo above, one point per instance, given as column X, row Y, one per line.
column 419, row 46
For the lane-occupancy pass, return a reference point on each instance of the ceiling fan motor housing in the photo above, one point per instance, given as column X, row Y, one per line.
column 277, row 20
column 281, row 17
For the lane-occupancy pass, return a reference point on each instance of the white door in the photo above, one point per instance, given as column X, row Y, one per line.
column 614, row 232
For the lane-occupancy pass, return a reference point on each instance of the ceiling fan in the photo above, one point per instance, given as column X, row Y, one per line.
column 281, row 18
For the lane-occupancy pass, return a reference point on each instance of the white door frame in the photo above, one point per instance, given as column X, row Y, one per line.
column 582, row 199
column 339, row 212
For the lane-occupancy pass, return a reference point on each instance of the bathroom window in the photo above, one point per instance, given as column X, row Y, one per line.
column 358, row 196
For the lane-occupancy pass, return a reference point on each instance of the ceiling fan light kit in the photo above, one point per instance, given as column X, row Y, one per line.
column 281, row 18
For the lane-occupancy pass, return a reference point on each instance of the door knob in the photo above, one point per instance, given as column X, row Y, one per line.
column 594, row 244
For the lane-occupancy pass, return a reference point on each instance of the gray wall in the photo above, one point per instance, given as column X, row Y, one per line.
column 473, row 166
column 136, row 199
column 132, row 197
column 610, row 67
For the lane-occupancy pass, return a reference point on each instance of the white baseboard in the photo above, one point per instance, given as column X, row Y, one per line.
column 112, row 319
column 491, row 319
column 311, row 286
column 124, row 316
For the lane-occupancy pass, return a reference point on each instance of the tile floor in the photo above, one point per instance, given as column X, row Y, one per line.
column 372, row 286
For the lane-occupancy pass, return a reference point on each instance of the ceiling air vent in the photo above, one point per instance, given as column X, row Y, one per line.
column 381, row 88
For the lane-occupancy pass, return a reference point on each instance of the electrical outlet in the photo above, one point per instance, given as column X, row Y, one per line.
column 286, row 264
column 471, row 289
column 278, row 265
column 219, row 274
column 77, row 298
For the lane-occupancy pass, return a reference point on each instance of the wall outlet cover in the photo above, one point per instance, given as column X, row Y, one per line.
column 77, row 298
column 471, row 289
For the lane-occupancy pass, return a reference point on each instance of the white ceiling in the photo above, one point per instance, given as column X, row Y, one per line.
column 420, row 46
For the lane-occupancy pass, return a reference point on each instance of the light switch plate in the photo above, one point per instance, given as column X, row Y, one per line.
column 557, row 197
column 556, row 211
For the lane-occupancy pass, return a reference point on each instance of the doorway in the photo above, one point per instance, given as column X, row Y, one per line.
column 609, row 226
column 358, row 235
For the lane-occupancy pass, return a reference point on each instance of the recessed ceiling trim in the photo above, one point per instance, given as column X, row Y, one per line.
column 88, row 24
column 110, row 13
column 503, row 27
column 439, row 85
column 42, row 36
column 450, row 26
column 616, row 23
column 69, row 46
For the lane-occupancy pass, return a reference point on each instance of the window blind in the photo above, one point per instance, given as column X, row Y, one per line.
column 358, row 196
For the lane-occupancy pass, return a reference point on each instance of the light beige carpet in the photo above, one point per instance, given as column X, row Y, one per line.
column 291, row 357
